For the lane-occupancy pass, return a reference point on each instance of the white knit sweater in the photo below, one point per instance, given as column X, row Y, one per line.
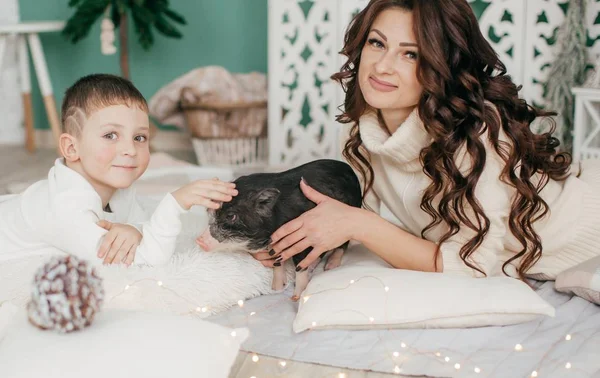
column 59, row 215
column 570, row 234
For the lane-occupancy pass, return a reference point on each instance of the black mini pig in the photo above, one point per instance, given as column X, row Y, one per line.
column 266, row 201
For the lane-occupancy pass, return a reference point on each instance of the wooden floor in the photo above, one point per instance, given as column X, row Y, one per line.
column 268, row 367
column 16, row 165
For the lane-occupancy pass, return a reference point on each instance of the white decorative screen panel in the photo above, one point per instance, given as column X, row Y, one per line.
column 302, row 98
column 502, row 24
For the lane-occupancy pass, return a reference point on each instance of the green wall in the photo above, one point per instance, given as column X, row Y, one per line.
column 228, row 33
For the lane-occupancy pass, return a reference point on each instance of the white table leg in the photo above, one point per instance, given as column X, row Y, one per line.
column 24, row 75
column 41, row 69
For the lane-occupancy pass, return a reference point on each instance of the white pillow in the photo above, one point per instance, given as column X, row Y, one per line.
column 365, row 292
column 7, row 313
column 582, row 280
column 122, row 344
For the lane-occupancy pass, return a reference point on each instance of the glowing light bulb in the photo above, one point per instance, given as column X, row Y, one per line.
column 282, row 363
column 241, row 303
column 351, row 281
column 306, row 298
column 159, row 283
column 396, row 354
column 341, row 375
column 568, row 365
column 252, row 313
column 518, row 347
column 397, row 369
column 447, row 359
column 386, row 288
column 568, row 337
column 534, row 374
column 233, row 333
column 204, row 309
column 314, row 324
column 477, row 370
column 255, row 358
column 371, row 319
column 438, row 354
column 402, row 345
column 198, row 309
column 457, row 366
column 127, row 287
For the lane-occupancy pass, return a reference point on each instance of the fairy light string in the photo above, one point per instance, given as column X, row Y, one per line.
column 395, row 356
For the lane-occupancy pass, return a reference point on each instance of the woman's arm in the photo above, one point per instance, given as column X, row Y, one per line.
column 331, row 223
column 399, row 248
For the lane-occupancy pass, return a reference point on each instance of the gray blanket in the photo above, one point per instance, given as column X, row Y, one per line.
column 567, row 345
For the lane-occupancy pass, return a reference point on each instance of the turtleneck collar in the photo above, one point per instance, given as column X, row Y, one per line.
column 404, row 145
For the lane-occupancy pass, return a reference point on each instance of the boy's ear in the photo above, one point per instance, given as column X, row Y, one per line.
column 68, row 147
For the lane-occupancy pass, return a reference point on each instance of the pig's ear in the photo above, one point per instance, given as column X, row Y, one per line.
column 265, row 200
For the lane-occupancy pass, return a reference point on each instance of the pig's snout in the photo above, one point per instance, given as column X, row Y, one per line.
column 206, row 240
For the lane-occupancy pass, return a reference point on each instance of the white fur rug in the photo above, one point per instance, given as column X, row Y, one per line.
column 194, row 282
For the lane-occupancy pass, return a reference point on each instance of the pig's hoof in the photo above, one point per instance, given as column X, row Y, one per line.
column 332, row 264
column 334, row 259
column 295, row 298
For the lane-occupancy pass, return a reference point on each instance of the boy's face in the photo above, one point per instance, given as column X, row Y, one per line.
column 113, row 146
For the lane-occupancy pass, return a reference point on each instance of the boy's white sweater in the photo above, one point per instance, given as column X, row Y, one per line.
column 59, row 214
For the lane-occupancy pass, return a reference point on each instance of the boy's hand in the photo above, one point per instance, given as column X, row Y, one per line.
column 119, row 243
column 207, row 193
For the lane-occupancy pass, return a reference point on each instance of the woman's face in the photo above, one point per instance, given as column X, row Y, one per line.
column 387, row 73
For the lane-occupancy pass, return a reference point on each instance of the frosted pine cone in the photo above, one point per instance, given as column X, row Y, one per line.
column 66, row 295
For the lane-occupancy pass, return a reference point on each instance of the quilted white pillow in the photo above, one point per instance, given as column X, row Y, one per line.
column 365, row 292
column 121, row 344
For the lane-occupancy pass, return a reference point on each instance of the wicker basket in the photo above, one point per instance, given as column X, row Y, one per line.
column 231, row 134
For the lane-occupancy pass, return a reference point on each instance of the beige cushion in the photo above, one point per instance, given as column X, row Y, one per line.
column 365, row 292
column 582, row 280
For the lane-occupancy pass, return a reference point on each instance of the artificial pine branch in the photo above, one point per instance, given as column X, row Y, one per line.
column 115, row 13
column 163, row 26
column 78, row 26
column 568, row 70
column 144, row 32
column 175, row 16
column 146, row 15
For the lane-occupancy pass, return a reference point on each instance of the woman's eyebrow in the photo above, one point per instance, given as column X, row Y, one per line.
column 380, row 33
column 401, row 44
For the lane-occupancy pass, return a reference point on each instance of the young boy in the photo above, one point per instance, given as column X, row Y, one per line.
column 86, row 206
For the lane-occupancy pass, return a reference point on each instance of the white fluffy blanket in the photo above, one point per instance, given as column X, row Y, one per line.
column 194, row 282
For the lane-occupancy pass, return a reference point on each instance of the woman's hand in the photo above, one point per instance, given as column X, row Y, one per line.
column 266, row 259
column 327, row 226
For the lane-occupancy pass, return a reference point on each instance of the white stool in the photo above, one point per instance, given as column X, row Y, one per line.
column 28, row 32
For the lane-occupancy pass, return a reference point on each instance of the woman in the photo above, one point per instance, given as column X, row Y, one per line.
column 438, row 134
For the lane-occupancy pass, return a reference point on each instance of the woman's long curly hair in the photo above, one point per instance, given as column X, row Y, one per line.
column 456, row 68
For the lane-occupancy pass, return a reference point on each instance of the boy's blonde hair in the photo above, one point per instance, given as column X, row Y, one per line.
column 94, row 92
